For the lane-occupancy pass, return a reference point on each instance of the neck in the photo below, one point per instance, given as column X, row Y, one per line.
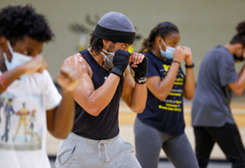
column 157, row 53
column 98, row 58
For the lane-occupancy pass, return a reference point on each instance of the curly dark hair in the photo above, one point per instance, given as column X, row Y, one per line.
column 96, row 43
column 162, row 29
column 240, row 36
column 19, row 21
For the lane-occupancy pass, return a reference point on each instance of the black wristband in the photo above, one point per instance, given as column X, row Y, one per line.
column 140, row 80
column 117, row 71
column 190, row 66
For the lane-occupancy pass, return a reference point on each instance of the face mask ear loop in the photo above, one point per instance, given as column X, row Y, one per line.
column 104, row 56
column 104, row 50
column 160, row 47
column 10, row 47
column 164, row 43
column 5, row 56
column 107, row 52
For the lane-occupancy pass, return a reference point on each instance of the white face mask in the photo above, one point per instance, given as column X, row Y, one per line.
column 17, row 58
column 108, row 59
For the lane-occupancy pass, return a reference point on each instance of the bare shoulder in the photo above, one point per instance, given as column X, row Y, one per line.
column 77, row 61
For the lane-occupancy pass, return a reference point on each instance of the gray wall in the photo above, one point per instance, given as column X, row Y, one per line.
column 203, row 24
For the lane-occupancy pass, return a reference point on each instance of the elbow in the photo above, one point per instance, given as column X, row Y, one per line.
column 64, row 136
column 91, row 107
column 94, row 111
column 161, row 97
column 59, row 131
column 60, row 135
column 139, row 110
column 189, row 93
column 236, row 88
column 238, row 92
column 95, row 114
column 189, row 97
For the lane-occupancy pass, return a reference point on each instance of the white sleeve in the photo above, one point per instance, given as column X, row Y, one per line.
column 52, row 96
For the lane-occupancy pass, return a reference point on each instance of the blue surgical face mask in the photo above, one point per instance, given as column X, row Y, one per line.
column 108, row 58
column 17, row 59
column 169, row 53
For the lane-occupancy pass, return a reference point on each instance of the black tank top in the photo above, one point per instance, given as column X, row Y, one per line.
column 105, row 125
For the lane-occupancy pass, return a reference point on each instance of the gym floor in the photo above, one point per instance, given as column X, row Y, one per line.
column 163, row 163
column 126, row 120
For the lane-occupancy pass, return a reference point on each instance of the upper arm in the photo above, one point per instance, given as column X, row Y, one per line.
column 85, row 86
column 83, row 91
column 128, row 87
column 50, row 119
column 226, row 70
column 153, row 78
column 228, row 75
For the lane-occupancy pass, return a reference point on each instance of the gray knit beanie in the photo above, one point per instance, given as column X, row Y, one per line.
column 115, row 27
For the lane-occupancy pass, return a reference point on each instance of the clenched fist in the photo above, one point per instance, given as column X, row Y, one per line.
column 37, row 64
column 181, row 53
column 138, row 63
column 68, row 77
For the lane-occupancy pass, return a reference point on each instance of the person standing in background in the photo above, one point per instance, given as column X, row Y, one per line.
column 211, row 114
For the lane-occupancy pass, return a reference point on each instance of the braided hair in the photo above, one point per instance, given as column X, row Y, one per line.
column 163, row 29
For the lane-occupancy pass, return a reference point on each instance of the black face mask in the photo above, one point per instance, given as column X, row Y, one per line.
column 238, row 59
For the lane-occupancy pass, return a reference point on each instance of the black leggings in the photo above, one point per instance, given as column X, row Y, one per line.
column 228, row 139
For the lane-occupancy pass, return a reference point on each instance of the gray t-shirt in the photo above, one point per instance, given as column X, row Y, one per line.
column 213, row 96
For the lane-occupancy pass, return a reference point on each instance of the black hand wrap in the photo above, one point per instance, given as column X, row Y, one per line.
column 140, row 72
column 120, row 61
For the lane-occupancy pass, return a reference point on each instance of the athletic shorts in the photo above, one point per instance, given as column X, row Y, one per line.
column 79, row 152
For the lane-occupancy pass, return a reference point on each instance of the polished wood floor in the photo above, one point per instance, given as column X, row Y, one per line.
column 126, row 116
